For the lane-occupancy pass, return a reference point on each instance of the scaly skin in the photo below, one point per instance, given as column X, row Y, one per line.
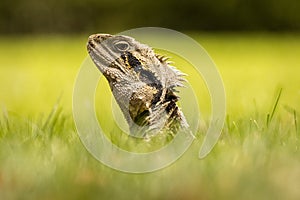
column 142, row 82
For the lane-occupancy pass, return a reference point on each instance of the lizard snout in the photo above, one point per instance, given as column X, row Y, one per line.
column 95, row 39
column 99, row 37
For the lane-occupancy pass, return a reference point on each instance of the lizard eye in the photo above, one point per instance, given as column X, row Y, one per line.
column 122, row 46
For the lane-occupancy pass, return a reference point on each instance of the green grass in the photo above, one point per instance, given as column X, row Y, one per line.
column 257, row 156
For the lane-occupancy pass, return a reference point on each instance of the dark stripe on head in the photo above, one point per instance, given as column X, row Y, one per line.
column 132, row 61
column 145, row 76
column 123, row 56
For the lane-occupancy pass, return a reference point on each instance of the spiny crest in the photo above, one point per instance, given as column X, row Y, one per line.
column 162, row 58
column 175, row 78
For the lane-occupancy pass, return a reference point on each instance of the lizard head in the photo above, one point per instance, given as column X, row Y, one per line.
column 119, row 57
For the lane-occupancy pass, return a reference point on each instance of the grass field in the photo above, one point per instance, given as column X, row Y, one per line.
column 41, row 156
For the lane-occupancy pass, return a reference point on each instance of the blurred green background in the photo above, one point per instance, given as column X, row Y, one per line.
column 256, row 46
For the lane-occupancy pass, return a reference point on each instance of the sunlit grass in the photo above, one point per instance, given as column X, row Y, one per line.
column 257, row 157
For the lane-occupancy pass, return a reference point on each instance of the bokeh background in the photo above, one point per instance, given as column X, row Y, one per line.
column 254, row 43
column 78, row 16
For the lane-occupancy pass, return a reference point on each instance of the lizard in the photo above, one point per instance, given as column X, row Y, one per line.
column 142, row 82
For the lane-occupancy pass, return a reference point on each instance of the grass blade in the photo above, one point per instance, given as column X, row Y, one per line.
column 295, row 121
column 270, row 116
